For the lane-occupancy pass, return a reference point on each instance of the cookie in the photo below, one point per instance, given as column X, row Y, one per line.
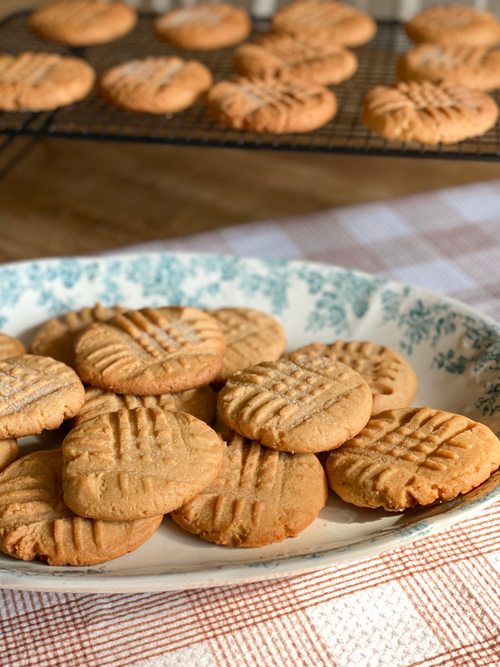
column 271, row 106
column 324, row 20
column 260, row 496
column 56, row 338
column 155, row 85
column 428, row 113
column 413, row 456
column 307, row 405
column 200, row 402
column 392, row 380
column 151, row 351
column 251, row 337
column 454, row 25
column 36, row 523
column 42, row 81
column 36, row 393
column 473, row 66
column 9, row 452
column 10, row 347
column 83, row 22
column 289, row 59
column 204, row 26
column 139, row 463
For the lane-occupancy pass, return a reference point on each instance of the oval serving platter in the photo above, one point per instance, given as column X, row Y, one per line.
column 454, row 350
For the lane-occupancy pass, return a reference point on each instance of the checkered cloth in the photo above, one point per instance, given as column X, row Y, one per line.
column 435, row 603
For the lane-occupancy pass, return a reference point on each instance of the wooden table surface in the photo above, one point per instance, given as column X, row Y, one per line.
column 69, row 196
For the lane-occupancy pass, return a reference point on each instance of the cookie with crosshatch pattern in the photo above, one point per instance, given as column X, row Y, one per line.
column 271, row 106
column 151, row 351
column 83, row 22
column 10, row 347
column 56, row 338
column 36, row 393
column 200, row 402
column 138, row 463
column 307, row 405
column 454, row 24
column 36, row 523
column 251, row 337
column 391, row 379
column 155, row 85
column 260, row 496
column 413, row 456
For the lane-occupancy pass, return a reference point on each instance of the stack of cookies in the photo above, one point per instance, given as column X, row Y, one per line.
column 142, row 443
column 440, row 96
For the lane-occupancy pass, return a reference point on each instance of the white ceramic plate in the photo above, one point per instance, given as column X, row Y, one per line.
column 454, row 350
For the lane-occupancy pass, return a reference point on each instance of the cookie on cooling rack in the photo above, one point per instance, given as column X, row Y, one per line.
column 204, row 26
column 42, row 81
column 453, row 25
column 83, row 22
column 473, row 66
column 271, row 106
column 324, row 20
column 428, row 113
column 155, row 85
column 287, row 58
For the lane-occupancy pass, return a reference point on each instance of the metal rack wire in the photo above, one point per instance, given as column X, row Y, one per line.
column 93, row 118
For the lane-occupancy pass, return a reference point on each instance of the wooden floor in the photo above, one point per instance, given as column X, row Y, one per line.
column 68, row 197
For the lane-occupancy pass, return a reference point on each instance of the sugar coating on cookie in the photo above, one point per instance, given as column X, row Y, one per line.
column 251, row 337
column 56, row 338
column 138, row 463
column 310, row 404
column 36, row 523
column 42, row 81
column 324, row 20
column 36, row 393
column 200, row 402
column 83, row 22
column 290, row 59
column 413, row 456
column 204, row 26
column 10, row 347
column 271, row 106
column 155, row 85
column 151, row 351
column 260, row 496
column 455, row 24
column 390, row 377
column 473, row 66
column 428, row 113
column 9, row 452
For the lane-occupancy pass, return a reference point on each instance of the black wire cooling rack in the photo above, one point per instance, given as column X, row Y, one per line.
column 92, row 118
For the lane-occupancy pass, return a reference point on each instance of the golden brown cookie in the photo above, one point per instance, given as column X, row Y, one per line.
column 42, row 81
column 155, row 85
column 200, row 402
column 473, row 66
column 251, row 337
column 10, row 347
column 36, row 523
column 9, row 452
column 56, row 338
column 36, row 393
column 413, row 456
column 392, row 380
column 289, row 59
column 151, row 351
column 83, row 22
column 260, row 496
column 133, row 464
column 324, row 20
column 454, row 25
column 271, row 106
column 307, row 405
column 428, row 113
column 204, row 26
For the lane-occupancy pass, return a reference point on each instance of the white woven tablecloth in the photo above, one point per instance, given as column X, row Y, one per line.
column 433, row 604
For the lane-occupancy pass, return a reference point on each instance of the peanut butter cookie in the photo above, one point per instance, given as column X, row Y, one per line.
column 10, row 347
column 454, row 25
column 9, row 452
